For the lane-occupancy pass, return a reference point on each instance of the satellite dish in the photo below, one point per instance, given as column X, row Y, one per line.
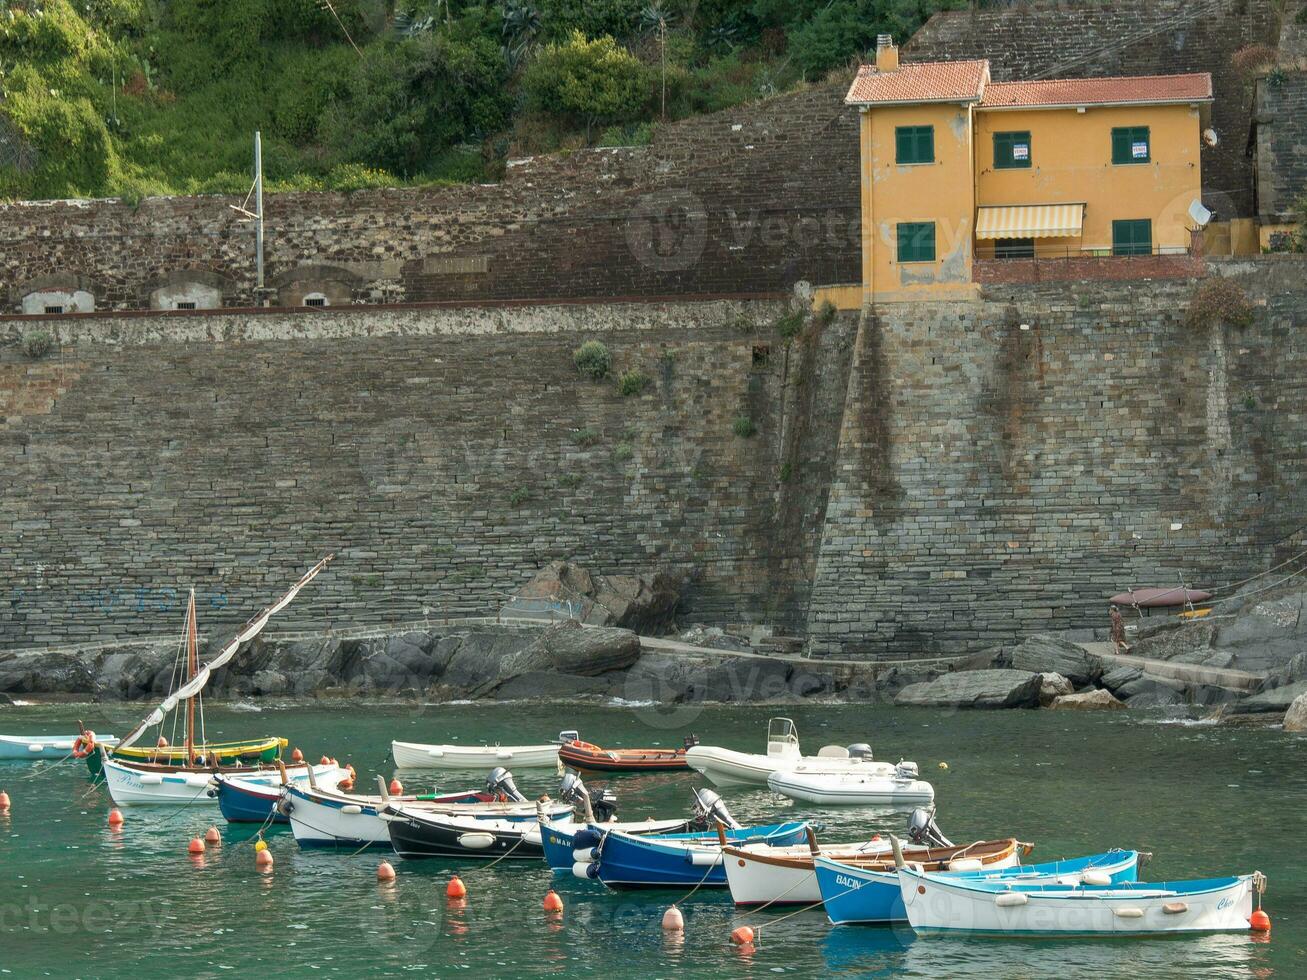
column 1210, row 137
column 1200, row 214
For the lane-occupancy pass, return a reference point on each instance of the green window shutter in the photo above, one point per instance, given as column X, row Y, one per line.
column 1011, row 151
column 1132, row 237
column 1131, row 144
column 914, row 144
column 916, row 241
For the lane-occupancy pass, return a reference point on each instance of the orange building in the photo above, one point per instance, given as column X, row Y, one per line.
column 956, row 167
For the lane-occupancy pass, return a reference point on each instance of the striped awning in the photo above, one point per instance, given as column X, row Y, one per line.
column 1030, row 221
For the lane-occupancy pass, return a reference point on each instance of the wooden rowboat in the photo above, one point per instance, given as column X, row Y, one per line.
column 42, row 746
column 591, row 758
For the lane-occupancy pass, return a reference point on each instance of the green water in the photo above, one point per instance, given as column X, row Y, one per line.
column 77, row 899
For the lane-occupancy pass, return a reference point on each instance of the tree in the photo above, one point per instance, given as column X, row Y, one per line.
column 595, row 81
column 521, row 27
column 654, row 20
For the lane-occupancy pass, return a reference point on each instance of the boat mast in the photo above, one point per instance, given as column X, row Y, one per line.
column 193, row 667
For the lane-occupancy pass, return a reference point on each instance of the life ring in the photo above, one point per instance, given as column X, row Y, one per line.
column 83, row 745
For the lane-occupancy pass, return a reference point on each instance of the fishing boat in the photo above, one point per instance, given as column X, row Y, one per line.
column 787, row 876
column 559, row 837
column 622, row 860
column 25, row 747
column 869, row 895
column 249, row 752
column 899, row 787
column 416, row 833
column 726, row 767
column 415, row 755
column 591, row 758
column 143, row 783
column 321, row 817
column 947, row 904
column 185, row 780
column 242, row 800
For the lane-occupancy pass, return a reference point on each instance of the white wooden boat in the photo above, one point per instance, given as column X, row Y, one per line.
column 899, row 787
column 726, row 767
column 944, row 904
column 416, row 755
column 787, row 875
column 327, row 817
column 43, row 746
column 141, row 784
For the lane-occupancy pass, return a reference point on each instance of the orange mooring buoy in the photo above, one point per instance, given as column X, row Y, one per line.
column 263, row 860
column 552, row 902
column 296, row 755
column 1260, row 921
column 4, row 801
column 673, row 921
column 161, row 743
column 324, row 761
column 742, row 936
column 396, row 787
column 385, row 871
column 196, row 846
column 115, row 817
column 211, row 836
column 456, row 888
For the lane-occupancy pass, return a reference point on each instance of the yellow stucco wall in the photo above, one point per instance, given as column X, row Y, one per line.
column 1071, row 160
column 893, row 193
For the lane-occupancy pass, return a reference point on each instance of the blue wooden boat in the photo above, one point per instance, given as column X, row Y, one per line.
column 854, row 895
column 622, row 860
column 559, row 838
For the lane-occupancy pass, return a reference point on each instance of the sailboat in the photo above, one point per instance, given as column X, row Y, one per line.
column 186, row 777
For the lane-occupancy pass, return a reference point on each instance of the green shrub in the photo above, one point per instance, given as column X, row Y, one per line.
column 37, row 344
column 356, row 177
column 633, row 382
column 826, row 313
column 1219, row 300
column 787, row 470
column 592, row 360
column 569, row 480
column 790, row 325
column 590, row 81
column 586, row 437
column 623, row 451
column 743, row 426
column 519, row 496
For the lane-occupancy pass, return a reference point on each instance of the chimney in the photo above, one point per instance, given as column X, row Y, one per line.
column 887, row 55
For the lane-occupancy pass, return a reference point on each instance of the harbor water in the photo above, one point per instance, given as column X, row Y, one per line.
column 79, row 899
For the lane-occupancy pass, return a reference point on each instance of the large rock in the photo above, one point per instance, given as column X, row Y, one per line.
column 1043, row 653
column 644, row 603
column 1088, row 701
column 536, row 684
column 1172, row 638
column 1118, row 677
column 741, row 679
column 45, row 672
column 1052, row 687
column 976, row 689
column 1273, row 701
column 1268, row 634
column 1295, row 719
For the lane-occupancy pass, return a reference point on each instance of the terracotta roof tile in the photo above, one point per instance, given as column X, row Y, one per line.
column 922, row 81
column 1099, row 91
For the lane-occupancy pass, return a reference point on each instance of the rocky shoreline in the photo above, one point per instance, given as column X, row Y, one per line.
column 598, row 657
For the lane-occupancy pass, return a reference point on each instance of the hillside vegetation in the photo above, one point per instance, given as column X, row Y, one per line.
column 139, row 97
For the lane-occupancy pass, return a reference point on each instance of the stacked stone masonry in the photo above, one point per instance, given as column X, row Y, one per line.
column 994, row 479
column 742, row 201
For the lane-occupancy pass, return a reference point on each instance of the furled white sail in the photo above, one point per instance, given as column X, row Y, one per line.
column 247, row 632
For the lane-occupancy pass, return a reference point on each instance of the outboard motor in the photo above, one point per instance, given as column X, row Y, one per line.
column 906, row 770
column 500, row 782
column 602, row 807
column 710, row 810
column 691, row 741
column 605, row 805
column 923, row 831
column 860, row 750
